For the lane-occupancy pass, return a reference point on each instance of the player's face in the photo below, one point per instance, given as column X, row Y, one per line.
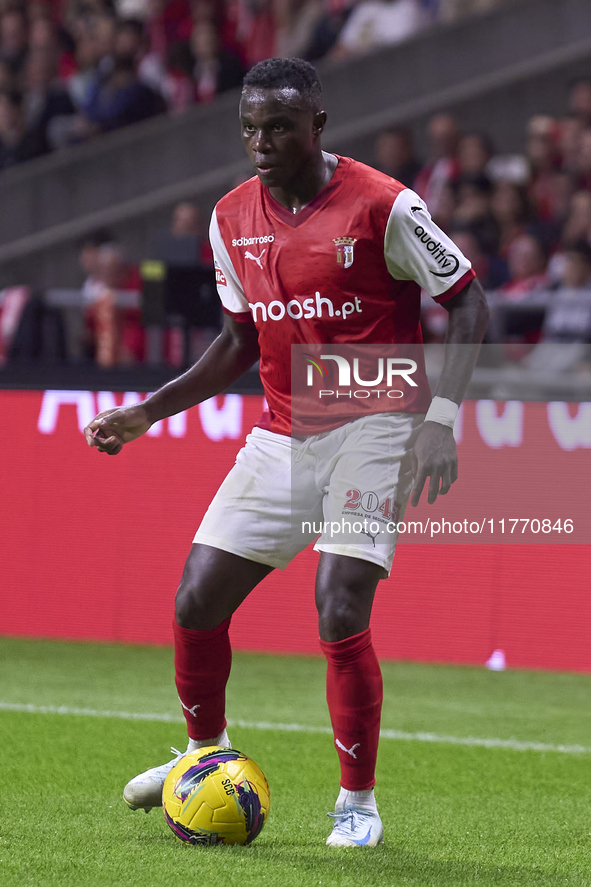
column 280, row 133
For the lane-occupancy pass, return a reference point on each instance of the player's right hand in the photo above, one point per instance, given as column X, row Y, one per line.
column 112, row 429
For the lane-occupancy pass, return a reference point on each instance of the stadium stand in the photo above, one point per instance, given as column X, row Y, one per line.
column 495, row 134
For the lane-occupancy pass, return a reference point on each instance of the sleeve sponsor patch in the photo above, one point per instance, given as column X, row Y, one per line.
column 415, row 248
column 219, row 276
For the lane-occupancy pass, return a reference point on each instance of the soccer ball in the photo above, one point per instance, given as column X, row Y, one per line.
column 216, row 796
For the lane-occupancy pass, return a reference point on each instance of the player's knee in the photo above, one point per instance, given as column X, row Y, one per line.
column 344, row 597
column 192, row 611
column 341, row 617
column 183, row 609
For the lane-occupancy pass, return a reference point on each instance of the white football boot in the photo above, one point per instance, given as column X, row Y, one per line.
column 355, row 827
column 357, row 822
column 145, row 791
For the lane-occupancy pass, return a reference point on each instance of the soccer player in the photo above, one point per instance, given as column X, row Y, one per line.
column 314, row 249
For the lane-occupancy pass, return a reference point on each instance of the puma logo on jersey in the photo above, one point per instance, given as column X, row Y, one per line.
column 257, row 259
column 350, row 751
column 192, row 710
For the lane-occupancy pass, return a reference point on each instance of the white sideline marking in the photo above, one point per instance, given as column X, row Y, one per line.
column 400, row 735
column 88, row 712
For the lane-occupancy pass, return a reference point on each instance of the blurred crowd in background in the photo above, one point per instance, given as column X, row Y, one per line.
column 73, row 69
column 70, row 69
column 523, row 220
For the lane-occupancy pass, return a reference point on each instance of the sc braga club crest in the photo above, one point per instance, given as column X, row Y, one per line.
column 344, row 247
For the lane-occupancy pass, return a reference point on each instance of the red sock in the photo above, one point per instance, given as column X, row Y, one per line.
column 354, row 694
column 202, row 662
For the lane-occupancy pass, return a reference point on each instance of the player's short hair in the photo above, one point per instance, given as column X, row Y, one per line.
column 295, row 74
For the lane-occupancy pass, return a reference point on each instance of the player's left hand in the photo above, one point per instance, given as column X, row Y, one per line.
column 434, row 456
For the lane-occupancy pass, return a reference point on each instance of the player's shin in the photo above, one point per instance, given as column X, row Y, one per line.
column 354, row 696
column 202, row 661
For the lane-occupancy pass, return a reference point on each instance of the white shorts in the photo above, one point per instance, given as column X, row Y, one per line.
column 346, row 488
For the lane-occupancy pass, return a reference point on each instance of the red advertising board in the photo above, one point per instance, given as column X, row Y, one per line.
column 92, row 547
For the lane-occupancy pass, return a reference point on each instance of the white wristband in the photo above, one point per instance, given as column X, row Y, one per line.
column 443, row 411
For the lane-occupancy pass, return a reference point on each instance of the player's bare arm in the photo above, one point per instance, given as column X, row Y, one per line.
column 435, row 455
column 229, row 356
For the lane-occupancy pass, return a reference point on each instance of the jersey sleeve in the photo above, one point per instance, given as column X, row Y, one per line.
column 228, row 284
column 415, row 248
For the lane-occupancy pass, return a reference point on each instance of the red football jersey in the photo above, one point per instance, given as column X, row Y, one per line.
column 347, row 269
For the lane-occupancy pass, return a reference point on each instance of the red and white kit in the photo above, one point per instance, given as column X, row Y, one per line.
column 346, row 269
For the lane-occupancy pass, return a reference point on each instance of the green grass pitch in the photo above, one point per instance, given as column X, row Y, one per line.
column 456, row 812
